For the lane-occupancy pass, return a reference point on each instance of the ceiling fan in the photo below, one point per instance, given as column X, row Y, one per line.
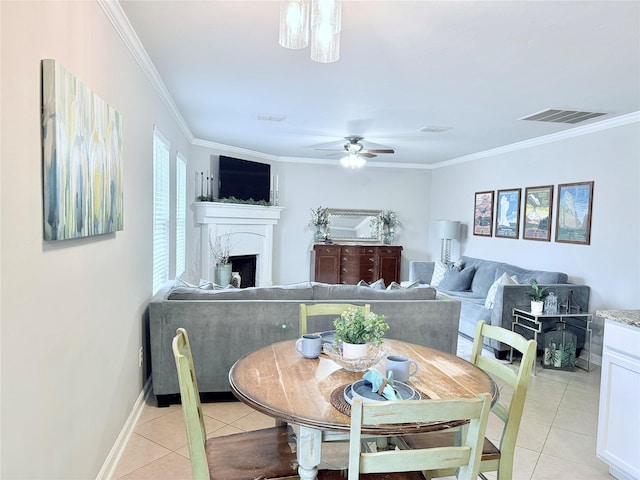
column 356, row 152
column 354, row 147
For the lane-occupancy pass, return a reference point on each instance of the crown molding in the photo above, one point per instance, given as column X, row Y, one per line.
column 545, row 139
column 120, row 22
column 235, row 150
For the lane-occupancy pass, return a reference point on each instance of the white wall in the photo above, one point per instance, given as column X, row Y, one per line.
column 72, row 311
column 610, row 265
column 307, row 186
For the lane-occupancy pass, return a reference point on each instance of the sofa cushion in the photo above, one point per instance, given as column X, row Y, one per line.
column 377, row 285
column 484, row 276
column 439, row 269
column 298, row 291
column 355, row 292
column 525, row 276
column 457, row 280
column 504, row 279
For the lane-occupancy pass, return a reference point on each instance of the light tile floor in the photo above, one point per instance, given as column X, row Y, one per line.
column 557, row 435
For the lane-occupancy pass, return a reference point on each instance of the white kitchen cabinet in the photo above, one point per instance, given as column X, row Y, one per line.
column 618, row 442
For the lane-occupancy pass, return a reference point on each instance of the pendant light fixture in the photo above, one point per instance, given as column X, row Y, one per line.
column 294, row 24
column 322, row 17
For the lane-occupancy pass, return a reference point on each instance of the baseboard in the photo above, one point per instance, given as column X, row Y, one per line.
column 111, row 462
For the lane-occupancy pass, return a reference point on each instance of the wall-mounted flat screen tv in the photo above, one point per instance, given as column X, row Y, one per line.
column 243, row 179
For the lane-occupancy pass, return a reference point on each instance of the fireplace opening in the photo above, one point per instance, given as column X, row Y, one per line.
column 245, row 265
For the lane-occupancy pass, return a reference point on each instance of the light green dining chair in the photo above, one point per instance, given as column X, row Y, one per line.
column 325, row 309
column 415, row 464
column 263, row 453
column 509, row 412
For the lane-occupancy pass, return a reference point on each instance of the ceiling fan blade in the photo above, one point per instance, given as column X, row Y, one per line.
column 382, row 150
column 367, row 154
column 330, row 149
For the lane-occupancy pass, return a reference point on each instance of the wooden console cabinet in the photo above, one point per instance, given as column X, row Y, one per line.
column 351, row 263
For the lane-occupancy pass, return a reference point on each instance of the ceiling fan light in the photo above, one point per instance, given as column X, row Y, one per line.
column 352, row 161
column 294, row 24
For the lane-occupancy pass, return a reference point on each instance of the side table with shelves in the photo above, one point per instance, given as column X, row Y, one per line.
column 523, row 319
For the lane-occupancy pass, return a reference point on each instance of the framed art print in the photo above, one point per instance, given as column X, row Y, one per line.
column 573, row 214
column 483, row 213
column 537, row 213
column 508, row 213
column 82, row 158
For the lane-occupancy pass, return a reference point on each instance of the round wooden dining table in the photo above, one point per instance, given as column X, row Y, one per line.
column 277, row 381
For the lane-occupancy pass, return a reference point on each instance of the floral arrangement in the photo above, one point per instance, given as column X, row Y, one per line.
column 319, row 217
column 221, row 248
column 389, row 219
column 352, row 326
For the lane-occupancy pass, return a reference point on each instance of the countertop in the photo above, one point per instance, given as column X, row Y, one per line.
column 629, row 317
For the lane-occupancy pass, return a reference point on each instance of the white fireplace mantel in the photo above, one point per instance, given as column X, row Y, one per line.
column 251, row 233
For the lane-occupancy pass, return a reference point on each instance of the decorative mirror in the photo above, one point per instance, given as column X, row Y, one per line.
column 354, row 225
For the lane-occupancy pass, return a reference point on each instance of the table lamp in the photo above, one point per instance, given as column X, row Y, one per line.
column 447, row 230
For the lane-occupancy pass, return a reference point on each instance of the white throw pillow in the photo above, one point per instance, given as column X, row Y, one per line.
column 439, row 270
column 503, row 280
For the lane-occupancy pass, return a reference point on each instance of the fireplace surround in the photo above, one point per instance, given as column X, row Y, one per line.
column 251, row 233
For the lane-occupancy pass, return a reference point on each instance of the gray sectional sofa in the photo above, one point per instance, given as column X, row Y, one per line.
column 481, row 276
column 224, row 325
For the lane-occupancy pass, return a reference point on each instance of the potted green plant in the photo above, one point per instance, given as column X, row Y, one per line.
column 357, row 331
column 537, row 295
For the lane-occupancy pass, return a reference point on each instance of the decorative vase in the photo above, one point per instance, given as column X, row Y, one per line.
column 354, row 350
column 236, row 280
column 387, row 237
column 223, row 274
column 319, row 235
column 536, row 307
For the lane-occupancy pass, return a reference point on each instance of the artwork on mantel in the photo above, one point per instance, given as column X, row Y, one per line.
column 573, row 215
column 82, row 158
column 483, row 213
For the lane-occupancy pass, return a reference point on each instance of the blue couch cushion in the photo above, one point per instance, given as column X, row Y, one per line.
column 457, row 280
column 525, row 276
column 484, row 276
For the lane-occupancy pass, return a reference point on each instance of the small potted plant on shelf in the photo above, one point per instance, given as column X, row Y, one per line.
column 357, row 331
column 537, row 295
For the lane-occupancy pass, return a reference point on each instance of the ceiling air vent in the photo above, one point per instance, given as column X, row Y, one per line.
column 562, row 116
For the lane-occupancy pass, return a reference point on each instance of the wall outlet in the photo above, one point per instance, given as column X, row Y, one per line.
column 140, row 358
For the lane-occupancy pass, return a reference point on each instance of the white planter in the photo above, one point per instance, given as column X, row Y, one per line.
column 352, row 350
column 536, row 307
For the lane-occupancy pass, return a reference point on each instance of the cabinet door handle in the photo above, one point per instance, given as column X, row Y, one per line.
column 370, row 270
column 371, row 259
column 345, row 270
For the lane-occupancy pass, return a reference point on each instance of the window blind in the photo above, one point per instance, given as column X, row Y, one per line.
column 160, row 210
column 181, row 213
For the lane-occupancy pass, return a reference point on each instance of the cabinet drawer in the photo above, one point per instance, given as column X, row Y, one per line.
column 363, row 271
column 352, row 250
column 389, row 250
column 327, row 249
column 350, row 260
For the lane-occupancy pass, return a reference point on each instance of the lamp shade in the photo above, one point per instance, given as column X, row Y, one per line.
column 448, row 229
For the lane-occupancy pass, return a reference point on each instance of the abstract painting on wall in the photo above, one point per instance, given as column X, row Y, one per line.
column 82, row 158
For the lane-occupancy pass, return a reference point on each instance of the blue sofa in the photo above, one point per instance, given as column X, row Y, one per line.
column 481, row 275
